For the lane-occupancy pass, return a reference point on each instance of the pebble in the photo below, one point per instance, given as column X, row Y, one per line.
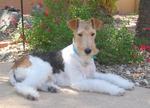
column 140, row 75
column 128, row 72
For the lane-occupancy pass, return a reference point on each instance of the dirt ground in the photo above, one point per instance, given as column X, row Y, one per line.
column 138, row 98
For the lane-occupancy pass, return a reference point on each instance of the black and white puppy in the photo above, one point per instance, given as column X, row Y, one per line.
column 71, row 67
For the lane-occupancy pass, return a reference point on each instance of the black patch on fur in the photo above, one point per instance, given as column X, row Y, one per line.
column 15, row 77
column 52, row 89
column 54, row 58
column 17, row 80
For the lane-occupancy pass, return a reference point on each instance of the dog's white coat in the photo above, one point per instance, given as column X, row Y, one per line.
column 79, row 74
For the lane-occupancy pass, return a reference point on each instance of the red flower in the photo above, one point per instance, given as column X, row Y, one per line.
column 32, row 2
column 49, row 30
column 147, row 47
column 148, row 60
column 40, row 3
column 148, row 28
column 46, row 13
column 142, row 47
column 23, row 38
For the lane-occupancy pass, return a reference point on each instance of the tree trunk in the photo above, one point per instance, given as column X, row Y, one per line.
column 143, row 24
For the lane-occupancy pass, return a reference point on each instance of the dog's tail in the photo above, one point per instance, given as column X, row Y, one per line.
column 12, row 77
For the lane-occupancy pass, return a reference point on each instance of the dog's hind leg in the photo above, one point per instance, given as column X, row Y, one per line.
column 22, row 88
column 96, row 85
column 12, row 79
column 28, row 91
column 115, row 79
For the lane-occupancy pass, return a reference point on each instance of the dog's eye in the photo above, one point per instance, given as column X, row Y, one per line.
column 80, row 34
column 92, row 34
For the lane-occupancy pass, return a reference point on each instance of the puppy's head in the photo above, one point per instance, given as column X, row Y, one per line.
column 84, row 35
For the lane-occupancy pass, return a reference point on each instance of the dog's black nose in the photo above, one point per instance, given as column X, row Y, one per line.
column 87, row 50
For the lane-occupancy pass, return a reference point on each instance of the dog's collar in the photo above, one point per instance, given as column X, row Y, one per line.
column 76, row 52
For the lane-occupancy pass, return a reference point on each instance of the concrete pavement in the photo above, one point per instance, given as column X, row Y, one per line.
column 139, row 98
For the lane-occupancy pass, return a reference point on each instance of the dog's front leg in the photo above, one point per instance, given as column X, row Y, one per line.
column 114, row 79
column 96, row 85
column 48, row 87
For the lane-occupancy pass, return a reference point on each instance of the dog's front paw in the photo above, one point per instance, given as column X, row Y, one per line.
column 130, row 86
column 118, row 92
column 33, row 97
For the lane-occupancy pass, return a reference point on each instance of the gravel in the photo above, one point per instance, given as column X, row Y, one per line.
column 11, row 52
column 137, row 73
column 128, row 21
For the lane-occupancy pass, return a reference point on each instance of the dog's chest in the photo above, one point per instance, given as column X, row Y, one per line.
column 87, row 70
column 82, row 69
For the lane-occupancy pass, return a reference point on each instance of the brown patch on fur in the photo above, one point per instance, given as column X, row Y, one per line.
column 23, row 62
column 95, row 50
column 73, row 24
column 96, row 24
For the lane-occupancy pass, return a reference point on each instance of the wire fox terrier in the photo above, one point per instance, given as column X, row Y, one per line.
column 71, row 67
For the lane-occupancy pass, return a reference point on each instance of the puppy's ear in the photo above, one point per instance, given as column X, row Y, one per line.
column 96, row 23
column 73, row 24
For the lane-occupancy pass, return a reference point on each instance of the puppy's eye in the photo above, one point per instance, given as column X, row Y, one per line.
column 80, row 34
column 92, row 34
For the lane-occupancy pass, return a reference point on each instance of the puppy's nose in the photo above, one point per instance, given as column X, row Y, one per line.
column 87, row 50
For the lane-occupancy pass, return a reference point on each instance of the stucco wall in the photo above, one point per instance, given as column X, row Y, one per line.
column 123, row 6
column 16, row 3
column 127, row 6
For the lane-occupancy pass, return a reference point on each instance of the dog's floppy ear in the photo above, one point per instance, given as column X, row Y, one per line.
column 73, row 24
column 96, row 23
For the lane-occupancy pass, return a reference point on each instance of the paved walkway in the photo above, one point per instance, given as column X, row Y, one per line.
column 139, row 98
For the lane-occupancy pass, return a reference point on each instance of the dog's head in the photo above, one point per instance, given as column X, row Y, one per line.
column 84, row 35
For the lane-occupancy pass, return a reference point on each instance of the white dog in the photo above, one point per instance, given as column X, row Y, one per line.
column 71, row 67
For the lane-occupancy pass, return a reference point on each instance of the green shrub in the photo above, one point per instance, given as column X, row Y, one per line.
column 109, row 5
column 116, row 46
column 50, row 32
column 47, row 35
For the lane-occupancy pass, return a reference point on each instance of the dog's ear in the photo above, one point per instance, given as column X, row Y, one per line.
column 73, row 24
column 96, row 23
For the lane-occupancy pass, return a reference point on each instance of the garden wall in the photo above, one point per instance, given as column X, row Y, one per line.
column 127, row 6
column 16, row 4
column 123, row 6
